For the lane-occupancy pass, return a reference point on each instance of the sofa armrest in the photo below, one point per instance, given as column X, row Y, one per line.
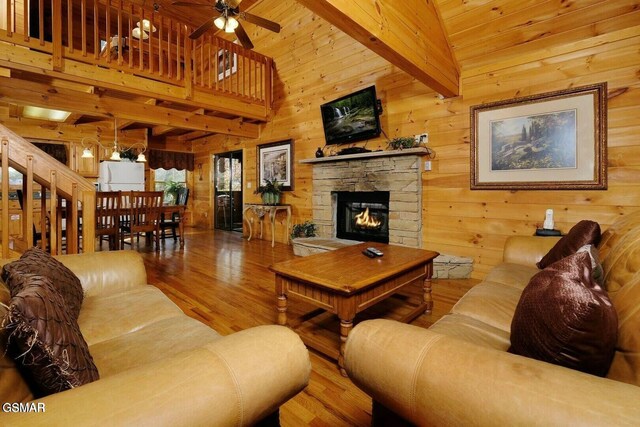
column 527, row 250
column 422, row 375
column 107, row 272
column 236, row 380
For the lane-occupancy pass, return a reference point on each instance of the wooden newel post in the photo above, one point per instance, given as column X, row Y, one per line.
column 57, row 35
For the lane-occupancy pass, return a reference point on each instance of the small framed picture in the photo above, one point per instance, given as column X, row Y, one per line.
column 227, row 63
column 275, row 161
column 551, row 141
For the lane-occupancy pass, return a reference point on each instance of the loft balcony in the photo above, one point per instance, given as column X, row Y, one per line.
column 114, row 59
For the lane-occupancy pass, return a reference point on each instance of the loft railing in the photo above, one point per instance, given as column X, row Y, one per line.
column 120, row 35
column 69, row 195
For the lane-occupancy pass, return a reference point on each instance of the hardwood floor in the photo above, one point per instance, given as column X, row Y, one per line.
column 224, row 281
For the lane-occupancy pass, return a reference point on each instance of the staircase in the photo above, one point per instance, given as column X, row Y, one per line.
column 64, row 195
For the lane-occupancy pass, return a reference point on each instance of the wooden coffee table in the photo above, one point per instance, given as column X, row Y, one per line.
column 345, row 282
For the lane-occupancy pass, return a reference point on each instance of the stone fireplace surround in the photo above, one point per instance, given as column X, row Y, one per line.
column 395, row 171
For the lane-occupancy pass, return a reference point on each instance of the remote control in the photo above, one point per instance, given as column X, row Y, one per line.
column 369, row 254
column 375, row 251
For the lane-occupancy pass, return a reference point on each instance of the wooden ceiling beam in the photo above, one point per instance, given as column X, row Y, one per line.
column 408, row 34
column 27, row 93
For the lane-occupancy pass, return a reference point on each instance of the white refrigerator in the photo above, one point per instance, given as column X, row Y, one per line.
column 121, row 176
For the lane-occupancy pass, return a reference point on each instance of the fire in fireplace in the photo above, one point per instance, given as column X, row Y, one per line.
column 363, row 215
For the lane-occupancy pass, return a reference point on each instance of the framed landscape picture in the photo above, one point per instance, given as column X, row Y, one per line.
column 275, row 161
column 556, row 140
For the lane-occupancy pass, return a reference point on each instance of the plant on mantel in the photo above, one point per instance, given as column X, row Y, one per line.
column 270, row 191
column 403, row 142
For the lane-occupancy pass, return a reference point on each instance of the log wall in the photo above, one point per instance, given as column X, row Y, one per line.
column 503, row 53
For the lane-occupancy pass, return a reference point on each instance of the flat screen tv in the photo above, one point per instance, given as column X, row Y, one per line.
column 353, row 117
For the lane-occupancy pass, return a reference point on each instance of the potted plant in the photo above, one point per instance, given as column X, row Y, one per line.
column 404, row 142
column 171, row 191
column 306, row 229
column 270, row 192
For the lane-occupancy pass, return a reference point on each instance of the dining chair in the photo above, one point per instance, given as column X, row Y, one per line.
column 143, row 216
column 108, row 217
column 173, row 223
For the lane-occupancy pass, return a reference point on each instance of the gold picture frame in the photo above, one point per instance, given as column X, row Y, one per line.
column 552, row 141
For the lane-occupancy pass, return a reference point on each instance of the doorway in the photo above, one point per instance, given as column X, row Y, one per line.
column 228, row 191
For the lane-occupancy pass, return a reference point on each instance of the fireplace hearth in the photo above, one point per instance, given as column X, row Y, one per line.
column 362, row 215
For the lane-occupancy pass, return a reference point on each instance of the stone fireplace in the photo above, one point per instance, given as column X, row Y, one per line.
column 394, row 172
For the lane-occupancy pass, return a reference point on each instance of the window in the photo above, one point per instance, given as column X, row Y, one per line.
column 163, row 176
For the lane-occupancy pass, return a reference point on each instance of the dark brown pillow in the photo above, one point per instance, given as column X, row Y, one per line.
column 583, row 233
column 37, row 261
column 46, row 340
column 564, row 317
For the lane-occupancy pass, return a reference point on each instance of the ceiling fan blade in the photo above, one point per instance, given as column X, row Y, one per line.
column 264, row 23
column 202, row 28
column 245, row 41
column 187, row 3
column 233, row 3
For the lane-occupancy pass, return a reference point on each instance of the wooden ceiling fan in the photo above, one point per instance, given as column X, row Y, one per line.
column 229, row 11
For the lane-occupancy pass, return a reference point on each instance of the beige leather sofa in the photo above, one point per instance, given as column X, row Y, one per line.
column 458, row 372
column 157, row 366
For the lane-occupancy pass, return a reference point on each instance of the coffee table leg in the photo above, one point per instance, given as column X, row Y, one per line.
column 428, row 299
column 345, row 328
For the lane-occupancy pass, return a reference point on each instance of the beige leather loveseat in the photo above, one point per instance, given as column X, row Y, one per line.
column 157, row 366
column 458, row 372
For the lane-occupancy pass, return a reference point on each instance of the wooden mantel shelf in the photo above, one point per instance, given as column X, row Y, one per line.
column 420, row 151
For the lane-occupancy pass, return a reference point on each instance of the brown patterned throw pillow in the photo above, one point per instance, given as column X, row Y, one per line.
column 564, row 317
column 46, row 340
column 583, row 233
column 37, row 261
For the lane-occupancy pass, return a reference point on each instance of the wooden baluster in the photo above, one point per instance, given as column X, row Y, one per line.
column 27, row 203
column 83, row 26
column 70, row 25
column 5, row 198
column 120, row 38
column 25, row 20
column 88, row 221
column 202, row 62
column 269, row 83
column 160, row 50
column 151, row 61
column 178, row 67
column 188, row 67
column 140, row 41
column 96, row 24
column 40, row 21
column 216, row 62
column 53, row 216
column 9, row 14
column 72, row 221
column 107, row 17
column 56, row 31
column 130, row 50
column 43, row 218
column 251, row 67
column 209, row 60
column 169, row 60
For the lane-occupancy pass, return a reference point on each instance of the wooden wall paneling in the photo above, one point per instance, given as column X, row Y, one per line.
column 315, row 63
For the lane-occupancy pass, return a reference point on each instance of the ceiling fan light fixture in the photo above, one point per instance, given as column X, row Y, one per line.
column 146, row 26
column 231, row 25
column 220, row 22
column 136, row 33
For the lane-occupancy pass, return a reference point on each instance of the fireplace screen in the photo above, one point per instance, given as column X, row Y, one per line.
column 363, row 215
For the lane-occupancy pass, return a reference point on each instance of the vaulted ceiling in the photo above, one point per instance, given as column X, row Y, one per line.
column 435, row 42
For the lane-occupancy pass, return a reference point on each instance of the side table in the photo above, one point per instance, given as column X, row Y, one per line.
column 261, row 211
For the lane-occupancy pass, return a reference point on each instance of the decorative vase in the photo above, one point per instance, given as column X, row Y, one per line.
column 270, row 198
column 319, row 153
